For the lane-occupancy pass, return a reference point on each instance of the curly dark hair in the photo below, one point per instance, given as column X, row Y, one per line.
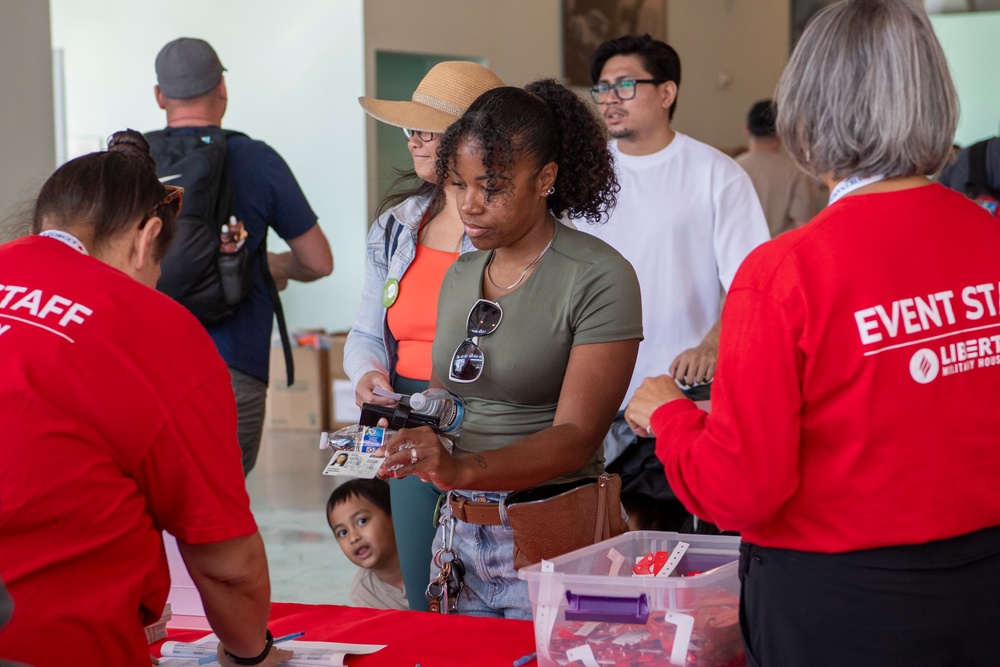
column 107, row 192
column 545, row 122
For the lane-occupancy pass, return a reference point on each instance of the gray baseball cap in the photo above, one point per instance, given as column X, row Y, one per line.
column 187, row 67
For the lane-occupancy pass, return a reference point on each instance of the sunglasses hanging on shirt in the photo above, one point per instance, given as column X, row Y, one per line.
column 468, row 361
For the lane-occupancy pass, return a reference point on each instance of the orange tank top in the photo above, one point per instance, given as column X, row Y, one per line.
column 412, row 318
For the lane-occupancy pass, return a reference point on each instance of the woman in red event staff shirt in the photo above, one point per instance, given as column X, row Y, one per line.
column 854, row 438
column 118, row 422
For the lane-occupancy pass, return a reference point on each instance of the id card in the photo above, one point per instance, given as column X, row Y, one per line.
column 354, row 456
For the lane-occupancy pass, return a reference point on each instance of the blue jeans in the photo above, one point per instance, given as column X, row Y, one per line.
column 491, row 584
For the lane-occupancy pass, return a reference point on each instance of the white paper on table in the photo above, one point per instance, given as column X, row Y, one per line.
column 306, row 653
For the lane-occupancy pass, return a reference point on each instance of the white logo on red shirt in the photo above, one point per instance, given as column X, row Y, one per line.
column 924, row 366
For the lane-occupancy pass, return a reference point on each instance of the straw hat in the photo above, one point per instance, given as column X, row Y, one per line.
column 442, row 96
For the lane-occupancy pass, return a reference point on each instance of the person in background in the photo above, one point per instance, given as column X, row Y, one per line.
column 360, row 516
column 785, row 191
column 537, row 330
column 191, row 89
column 686, row 217
column 857, row 456
column 410, row 247
column 136, row 425
column 975, row 172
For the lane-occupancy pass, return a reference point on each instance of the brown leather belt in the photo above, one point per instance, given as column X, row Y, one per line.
column 470, row 511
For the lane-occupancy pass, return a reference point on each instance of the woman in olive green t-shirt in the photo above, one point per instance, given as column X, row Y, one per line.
column 537, row 332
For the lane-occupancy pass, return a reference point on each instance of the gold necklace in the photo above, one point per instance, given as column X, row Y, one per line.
column 523, row 274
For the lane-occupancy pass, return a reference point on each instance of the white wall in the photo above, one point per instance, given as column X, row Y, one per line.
column 27, row 132
column 732, row 54
column 970, row 43
column 294, row 73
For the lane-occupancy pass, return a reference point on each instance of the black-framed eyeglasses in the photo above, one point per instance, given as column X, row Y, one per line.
column 624, row 89
column 468, row 361
column 419, row 134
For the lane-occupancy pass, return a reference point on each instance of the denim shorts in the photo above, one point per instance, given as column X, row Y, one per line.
column 491, row 584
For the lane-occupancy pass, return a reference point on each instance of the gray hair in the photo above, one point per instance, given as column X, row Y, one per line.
column 867, row 91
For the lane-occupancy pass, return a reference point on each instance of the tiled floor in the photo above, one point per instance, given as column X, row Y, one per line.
column 288, row 495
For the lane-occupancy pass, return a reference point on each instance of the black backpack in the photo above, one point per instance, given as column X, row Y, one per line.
column 979, row 188
column 197, row 271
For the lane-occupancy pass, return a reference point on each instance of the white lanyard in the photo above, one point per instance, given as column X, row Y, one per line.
column 849, row 185
column 66, row 238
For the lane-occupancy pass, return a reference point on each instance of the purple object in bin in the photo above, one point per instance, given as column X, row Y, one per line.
column 607, row 609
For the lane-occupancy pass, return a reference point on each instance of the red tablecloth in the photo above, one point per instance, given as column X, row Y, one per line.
column 411, row 637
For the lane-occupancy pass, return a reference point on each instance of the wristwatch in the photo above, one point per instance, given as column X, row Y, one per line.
column 237, row 660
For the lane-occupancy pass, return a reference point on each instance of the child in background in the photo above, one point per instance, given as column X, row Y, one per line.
column 361, row 520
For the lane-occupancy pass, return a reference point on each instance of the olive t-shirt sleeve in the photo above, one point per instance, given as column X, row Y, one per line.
column 607, row 303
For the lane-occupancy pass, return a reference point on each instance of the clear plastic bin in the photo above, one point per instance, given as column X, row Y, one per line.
column 586, row 615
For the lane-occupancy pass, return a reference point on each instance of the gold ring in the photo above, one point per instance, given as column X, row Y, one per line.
column 413, row 455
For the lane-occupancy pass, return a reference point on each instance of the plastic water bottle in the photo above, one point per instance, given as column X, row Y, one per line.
column 441, row 403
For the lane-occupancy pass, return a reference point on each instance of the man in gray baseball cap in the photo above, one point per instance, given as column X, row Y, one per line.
column 191, row 89
column 187, row 68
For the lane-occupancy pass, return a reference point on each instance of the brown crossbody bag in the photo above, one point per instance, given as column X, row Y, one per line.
column 554, row 519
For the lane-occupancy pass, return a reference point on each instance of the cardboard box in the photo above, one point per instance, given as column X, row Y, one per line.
column 588, row 606
column 303, row 406
column 343, row 410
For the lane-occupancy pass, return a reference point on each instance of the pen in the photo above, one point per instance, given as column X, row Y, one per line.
column 284, row 638
column 524, row 660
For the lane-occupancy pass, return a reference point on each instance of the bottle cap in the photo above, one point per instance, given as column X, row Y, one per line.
column 418, row 402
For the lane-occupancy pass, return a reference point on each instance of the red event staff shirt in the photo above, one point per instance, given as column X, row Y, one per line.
column 117, row 421
column 855, row 403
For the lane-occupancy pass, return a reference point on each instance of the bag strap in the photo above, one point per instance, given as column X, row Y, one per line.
column 279, row 313
column 602, row 530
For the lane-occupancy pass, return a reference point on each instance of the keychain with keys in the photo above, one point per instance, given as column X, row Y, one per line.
column 437, row 591
column 443, row 591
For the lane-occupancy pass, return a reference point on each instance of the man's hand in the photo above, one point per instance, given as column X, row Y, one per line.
column 697, row 365
column 309, row 259
column 277, row 264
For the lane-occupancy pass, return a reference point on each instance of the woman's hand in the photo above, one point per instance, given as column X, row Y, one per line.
column 418, row 451
column 651, row 394
column 366, row 385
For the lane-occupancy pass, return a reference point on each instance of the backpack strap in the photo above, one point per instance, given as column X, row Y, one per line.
column 228, row 194
column 272, row 291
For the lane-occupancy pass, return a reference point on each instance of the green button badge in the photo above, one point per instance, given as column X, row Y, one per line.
column 390, row 292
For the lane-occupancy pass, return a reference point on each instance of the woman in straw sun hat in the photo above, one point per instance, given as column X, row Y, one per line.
column 416, row 238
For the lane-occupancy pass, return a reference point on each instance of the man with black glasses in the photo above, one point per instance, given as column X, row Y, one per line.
column 686, row 217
